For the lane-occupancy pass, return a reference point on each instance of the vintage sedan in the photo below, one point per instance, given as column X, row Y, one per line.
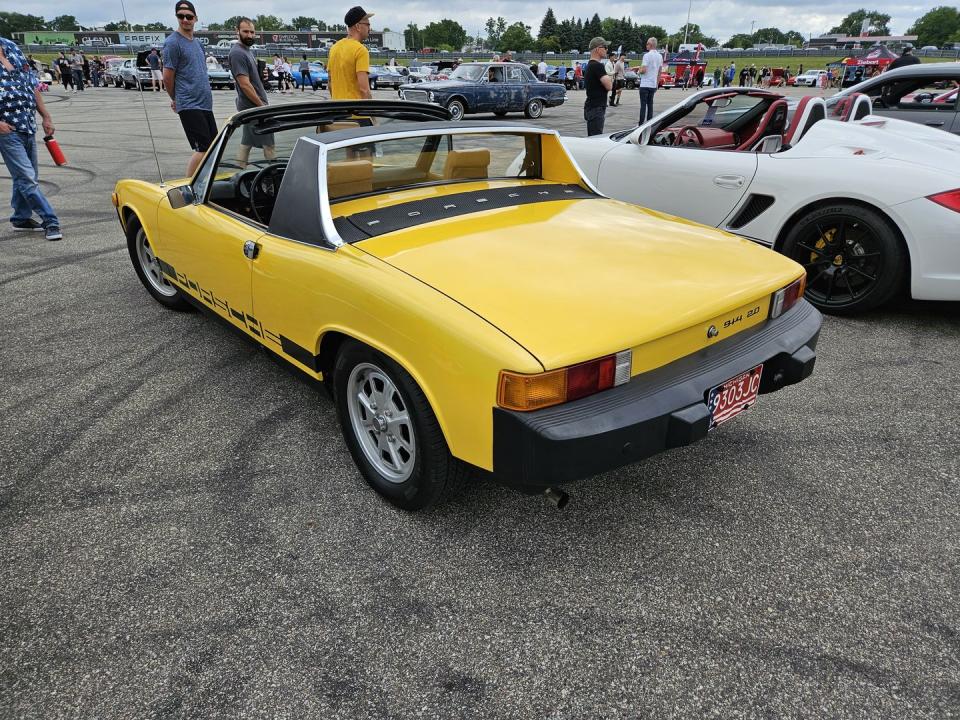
column 497, row 88
column 469, row 319
column 220, row 78
column 870, row 206
column 318, row 76
column 135, row 73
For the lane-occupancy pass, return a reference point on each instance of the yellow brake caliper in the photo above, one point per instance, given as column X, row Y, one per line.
column 821, row 244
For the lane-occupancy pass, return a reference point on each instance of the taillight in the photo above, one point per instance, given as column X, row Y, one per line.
column 949, row 199
column 532, row 392
column 785, row 298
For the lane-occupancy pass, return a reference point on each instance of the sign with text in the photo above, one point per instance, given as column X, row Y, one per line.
column 143, row 38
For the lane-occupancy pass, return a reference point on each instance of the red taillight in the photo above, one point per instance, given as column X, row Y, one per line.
column 787, row 297
column 590, row 377
column 949, row 199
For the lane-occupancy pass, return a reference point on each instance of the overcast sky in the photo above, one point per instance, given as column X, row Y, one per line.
column 718, row 18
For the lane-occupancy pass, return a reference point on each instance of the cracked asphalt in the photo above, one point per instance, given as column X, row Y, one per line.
column 183, row 533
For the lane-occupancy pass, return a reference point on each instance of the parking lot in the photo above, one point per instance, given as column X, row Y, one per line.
column 184, row 533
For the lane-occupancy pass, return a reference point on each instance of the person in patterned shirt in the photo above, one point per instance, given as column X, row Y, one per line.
column 20, row 100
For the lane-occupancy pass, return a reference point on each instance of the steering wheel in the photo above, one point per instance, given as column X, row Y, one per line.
column 263, row 190
column 690, row 135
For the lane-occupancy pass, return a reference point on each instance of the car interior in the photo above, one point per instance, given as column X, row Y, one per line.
column 742, row 122
column 247, row 185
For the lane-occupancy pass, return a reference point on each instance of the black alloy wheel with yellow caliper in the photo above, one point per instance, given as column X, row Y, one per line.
column 855, row 260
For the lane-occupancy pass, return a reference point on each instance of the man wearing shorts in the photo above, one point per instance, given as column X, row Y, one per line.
column 250, row 91
column 186, row 82
column 156, row 75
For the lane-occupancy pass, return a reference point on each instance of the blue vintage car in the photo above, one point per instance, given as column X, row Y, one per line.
column 496, row 88
column 318, row 76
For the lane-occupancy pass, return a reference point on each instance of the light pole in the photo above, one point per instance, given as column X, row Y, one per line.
column 752, row 23
column 687, row 26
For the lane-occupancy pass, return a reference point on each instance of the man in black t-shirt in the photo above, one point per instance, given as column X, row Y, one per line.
column 906, row 58
column 598, row 85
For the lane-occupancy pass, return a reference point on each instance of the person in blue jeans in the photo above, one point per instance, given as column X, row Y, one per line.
column 20, row 100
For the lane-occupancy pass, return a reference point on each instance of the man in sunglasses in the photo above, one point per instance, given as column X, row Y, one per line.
column 349, row 63
column 186, row 81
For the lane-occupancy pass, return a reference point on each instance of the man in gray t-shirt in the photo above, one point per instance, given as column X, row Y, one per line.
column 250, row 92
column 186, row 81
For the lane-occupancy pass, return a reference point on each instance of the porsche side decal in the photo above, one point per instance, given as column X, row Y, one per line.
column 371, row 223
column 249, row 322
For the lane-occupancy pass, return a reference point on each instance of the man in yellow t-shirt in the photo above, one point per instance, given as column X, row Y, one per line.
column 349, row 62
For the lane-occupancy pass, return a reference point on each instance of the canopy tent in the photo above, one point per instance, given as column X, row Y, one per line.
column 880, row 55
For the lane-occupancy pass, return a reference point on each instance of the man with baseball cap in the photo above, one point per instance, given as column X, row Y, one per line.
column 349, row 63
column 598, row 84
column 188, row 85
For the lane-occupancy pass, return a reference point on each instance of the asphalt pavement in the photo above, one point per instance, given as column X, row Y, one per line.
column 184, row 534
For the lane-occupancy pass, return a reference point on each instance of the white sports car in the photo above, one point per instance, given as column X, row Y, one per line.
column 867, row 206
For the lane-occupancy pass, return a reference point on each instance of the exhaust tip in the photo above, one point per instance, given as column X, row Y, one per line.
column 558, row 498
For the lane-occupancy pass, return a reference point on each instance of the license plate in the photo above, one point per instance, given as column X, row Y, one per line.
column 734, row 396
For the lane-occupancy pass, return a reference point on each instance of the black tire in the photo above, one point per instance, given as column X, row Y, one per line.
column 855, row 260
column 162, row 290
column 436, row 475
column 457, row 109
column 534, row 109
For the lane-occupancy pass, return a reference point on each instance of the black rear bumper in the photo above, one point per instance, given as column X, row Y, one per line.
column 656, row 411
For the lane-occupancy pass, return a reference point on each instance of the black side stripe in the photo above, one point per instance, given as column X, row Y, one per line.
column 249, row 322
column 372, row 223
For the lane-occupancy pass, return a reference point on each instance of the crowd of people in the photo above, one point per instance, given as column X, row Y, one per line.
column 181, row 71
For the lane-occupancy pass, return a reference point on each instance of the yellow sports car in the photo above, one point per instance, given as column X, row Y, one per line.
column 463, row 313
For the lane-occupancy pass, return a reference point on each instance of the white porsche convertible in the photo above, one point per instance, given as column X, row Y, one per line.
column 869, row 206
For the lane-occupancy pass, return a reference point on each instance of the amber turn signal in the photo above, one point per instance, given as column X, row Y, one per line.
column 533, row 392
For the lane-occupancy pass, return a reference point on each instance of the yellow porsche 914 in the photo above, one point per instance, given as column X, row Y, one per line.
column 470, row 300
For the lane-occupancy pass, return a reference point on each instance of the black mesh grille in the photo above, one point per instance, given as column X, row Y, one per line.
column 753, row 208
column 372, row 223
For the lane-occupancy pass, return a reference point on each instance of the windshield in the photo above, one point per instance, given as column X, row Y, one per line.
column 467, row 72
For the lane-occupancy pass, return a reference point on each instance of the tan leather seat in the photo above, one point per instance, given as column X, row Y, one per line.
column 350, row 177
column 464, row 164
column 341, row 125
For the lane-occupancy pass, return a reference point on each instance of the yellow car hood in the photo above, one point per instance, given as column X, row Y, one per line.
column 574, row 280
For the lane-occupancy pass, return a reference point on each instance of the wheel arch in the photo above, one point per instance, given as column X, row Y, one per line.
column 461, row 98
column 824, row 202
column 329, row 347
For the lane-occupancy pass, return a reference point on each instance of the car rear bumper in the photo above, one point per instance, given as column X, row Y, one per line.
column 656, row 411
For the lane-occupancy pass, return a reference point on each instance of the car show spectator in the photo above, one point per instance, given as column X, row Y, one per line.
column 63, row 68
column 348, row 65
column 186, row 81
column 250, row 91
column 305, row 76
column 619, row 80
column 649, row 78
column 96, row 71
column 542, row 70
column 76, row 71
column 598, row 84
column 156, row 75
column 717, row 76
column 20, row 101
column 578, row 75
column 906, row 58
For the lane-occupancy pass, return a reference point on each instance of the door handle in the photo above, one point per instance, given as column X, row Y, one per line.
column 935, row 124
column 251, row 249
column 729, row 181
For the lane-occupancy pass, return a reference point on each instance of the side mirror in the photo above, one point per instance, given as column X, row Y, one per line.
column 181, row 196
column 644, row 137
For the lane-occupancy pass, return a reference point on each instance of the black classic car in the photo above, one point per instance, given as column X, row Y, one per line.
column 488, row 87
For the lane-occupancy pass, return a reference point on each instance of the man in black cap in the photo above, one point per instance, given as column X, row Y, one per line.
column 598, row 84
column 188, row 85
column 349, row 63
column 906, row 58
